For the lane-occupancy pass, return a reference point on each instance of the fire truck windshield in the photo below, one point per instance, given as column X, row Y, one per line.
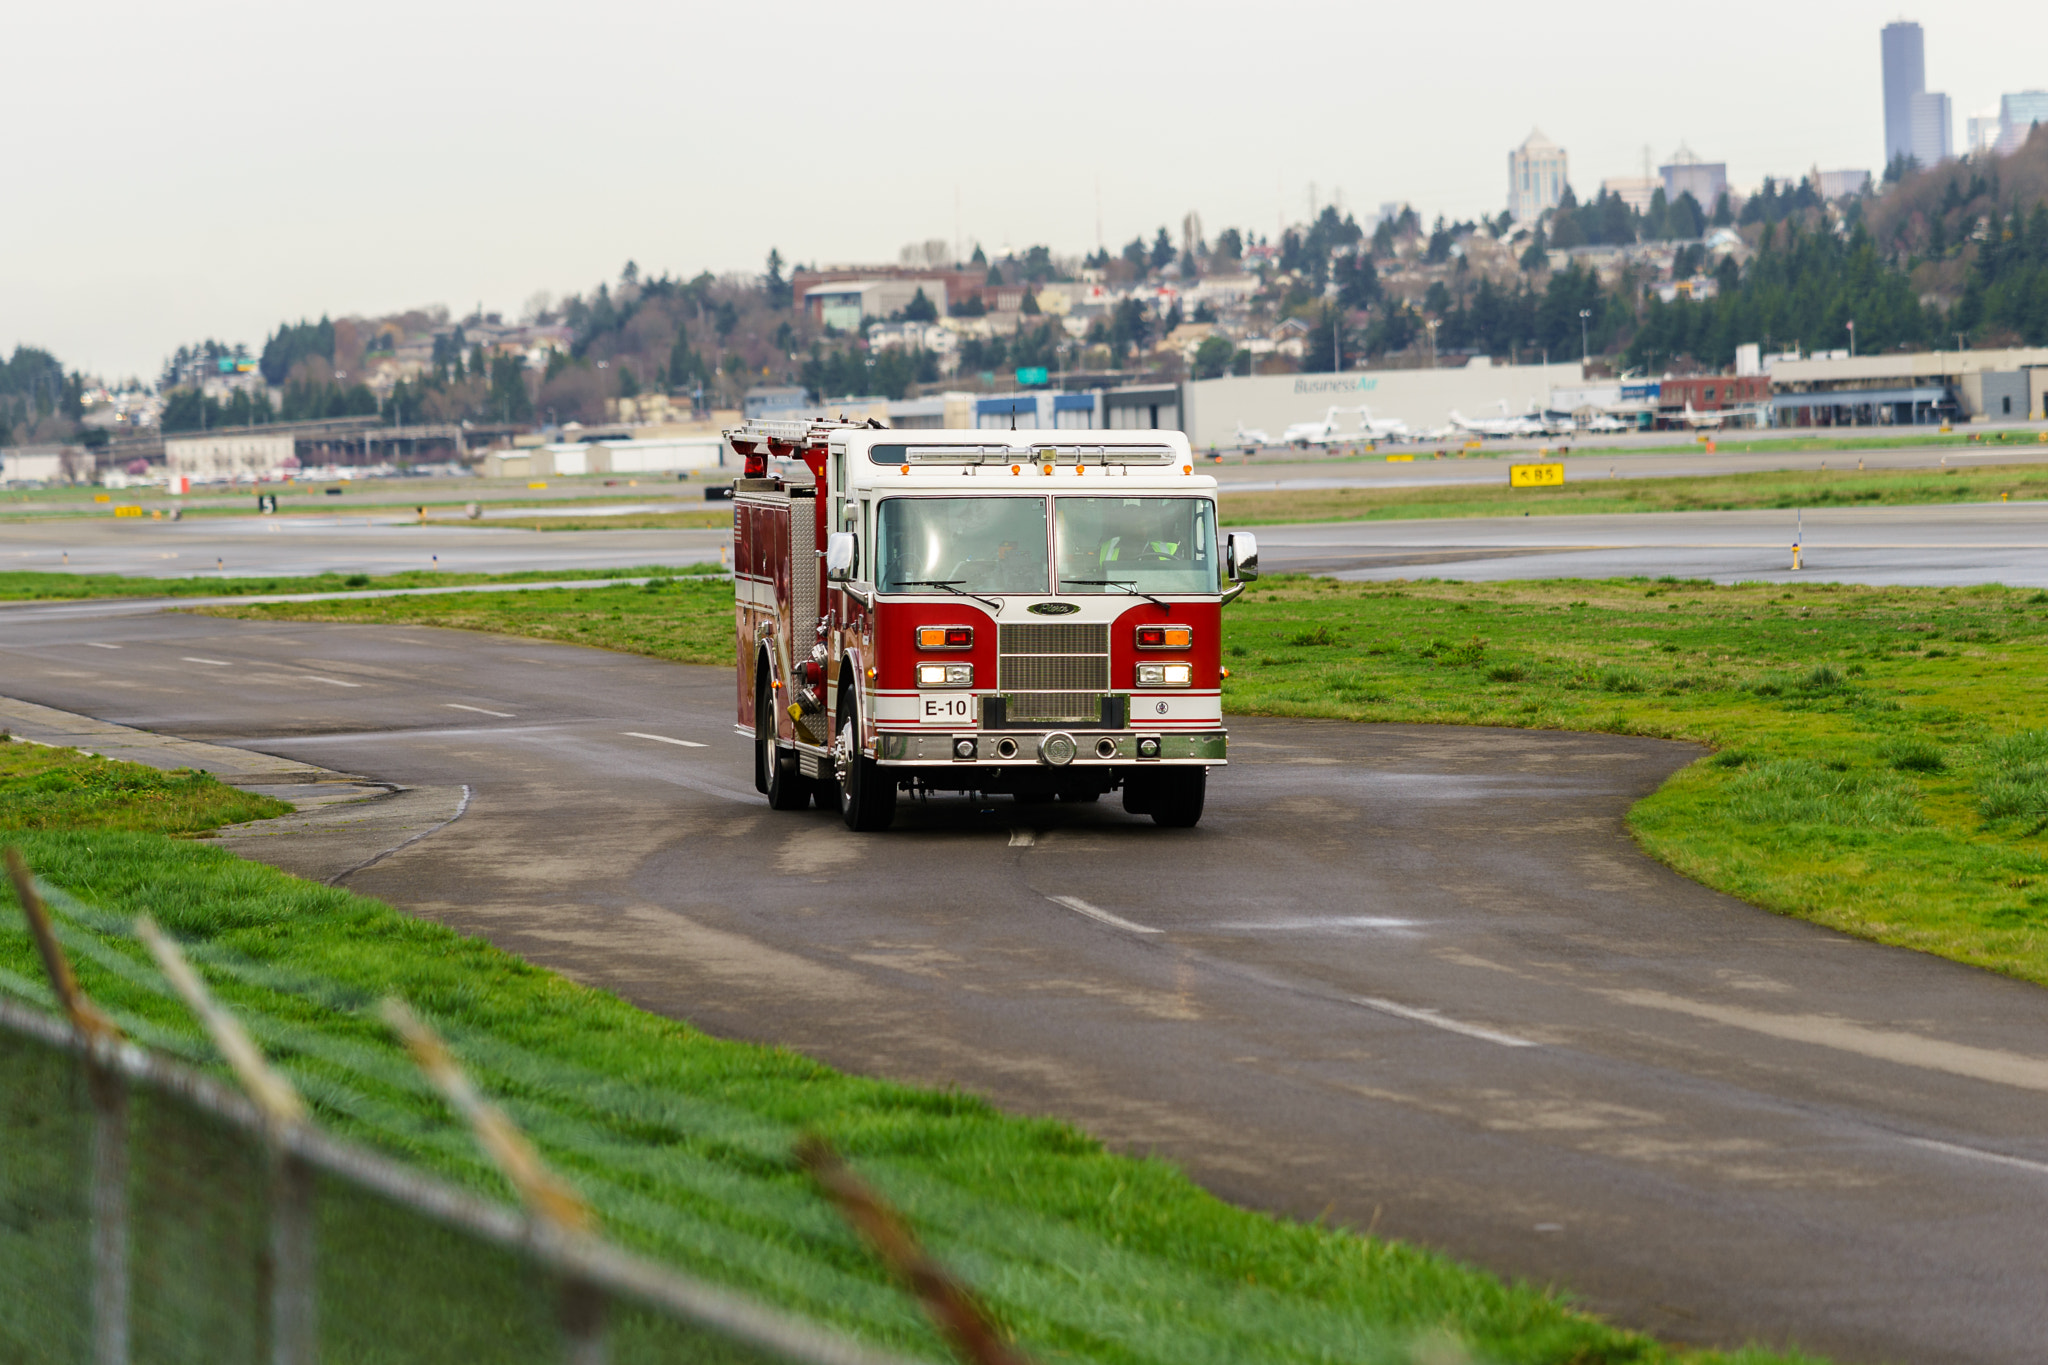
column 1144, row 545
column 979, row 544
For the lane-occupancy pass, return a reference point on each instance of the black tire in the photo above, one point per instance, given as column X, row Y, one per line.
column 764, row 724
column 1177, row 801
column 1173, row 797
column 787, row 787
column 867, row 792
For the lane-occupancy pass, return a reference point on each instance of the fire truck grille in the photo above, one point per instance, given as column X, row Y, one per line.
column 1062, row 708
column 1054, row 673
column 1057, row 657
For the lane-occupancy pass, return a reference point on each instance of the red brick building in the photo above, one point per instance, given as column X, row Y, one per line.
column 1713, row 392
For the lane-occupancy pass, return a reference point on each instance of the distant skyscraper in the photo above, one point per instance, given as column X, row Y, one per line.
column 1931, row 125
column 1916, row 120
column 1537, row 175
column 1905, row 75
column 1984, row 127
column 2017, row 115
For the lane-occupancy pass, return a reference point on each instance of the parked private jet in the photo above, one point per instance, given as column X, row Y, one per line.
column 1382, row 428
column 1321, row 433
column 1501, row 428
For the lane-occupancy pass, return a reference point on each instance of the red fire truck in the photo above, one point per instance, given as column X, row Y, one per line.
column 1031, row 613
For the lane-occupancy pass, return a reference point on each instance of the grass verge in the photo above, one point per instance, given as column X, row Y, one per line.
column 46, row 787
column 1882, row 765
column 681, row 1141
column 1883, row 753
column 1716, row 493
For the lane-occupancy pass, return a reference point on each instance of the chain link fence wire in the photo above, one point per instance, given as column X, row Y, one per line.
column 149, row 1213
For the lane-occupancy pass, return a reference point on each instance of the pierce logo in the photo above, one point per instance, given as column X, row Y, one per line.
column 1053, row 608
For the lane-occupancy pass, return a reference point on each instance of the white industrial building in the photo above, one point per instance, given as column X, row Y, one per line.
column 226, row 457
column 47, row 464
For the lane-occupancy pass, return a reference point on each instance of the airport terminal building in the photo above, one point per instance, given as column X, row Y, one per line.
column 1910, row 389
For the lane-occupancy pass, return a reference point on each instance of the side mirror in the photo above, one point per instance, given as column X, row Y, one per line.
column 842, row 556
column 1241, row 556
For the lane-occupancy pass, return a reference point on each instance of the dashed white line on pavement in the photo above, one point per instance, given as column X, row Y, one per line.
column 1435, row 1020
column 1022, row 838
column 1081, row 907
column 94, row 644
column 663, row 739
column 210, row 663
column 331, row 682
column 458, row 706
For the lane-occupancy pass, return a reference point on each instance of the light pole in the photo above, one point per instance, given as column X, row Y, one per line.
column 1585, row 352
column 1431, row 324
column 1852, row 338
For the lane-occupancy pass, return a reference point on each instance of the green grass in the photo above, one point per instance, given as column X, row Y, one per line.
column 33, row 587
column 1873, row 774
column 44, row 787
column 1740, row 442
column 1882, row 763
column 1785, row 489
column 683, row 619
column 682, row 1141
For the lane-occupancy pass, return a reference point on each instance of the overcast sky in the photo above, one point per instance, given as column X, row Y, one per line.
column 175, row 172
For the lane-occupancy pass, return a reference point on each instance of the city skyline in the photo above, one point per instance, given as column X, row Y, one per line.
column 230, row 167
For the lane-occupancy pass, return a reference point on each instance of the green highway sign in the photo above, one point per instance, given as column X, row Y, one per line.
column 1034, row 374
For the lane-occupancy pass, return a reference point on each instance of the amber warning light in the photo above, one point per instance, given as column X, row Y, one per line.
column 1165, row 637
column 945, row 637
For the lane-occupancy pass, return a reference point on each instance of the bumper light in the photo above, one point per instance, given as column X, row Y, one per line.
column 945, row 675
column 1165, row 675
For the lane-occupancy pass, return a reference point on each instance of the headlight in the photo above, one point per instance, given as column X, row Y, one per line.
column 945, row 675
column 1165, row 675
column 1166, row 637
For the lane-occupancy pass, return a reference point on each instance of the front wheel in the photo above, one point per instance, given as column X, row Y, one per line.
column 867, row 793
column 1173, row 797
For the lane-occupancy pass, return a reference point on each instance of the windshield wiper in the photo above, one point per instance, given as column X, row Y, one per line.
column 951, row 585
column 1125, row 584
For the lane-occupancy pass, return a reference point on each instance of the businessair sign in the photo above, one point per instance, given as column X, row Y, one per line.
column 1312, row 384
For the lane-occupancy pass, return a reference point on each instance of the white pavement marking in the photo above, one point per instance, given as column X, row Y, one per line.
column 1435, row 1020
column 663, row 739
column 458, row 706
column 1081, row 907
column 1022, row 838
column 2038, row 1167
column 2015, row 1069
column 94, row 644
column 332, row 682
column 211, row 663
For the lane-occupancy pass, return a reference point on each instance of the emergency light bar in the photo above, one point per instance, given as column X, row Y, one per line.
column 893, row 454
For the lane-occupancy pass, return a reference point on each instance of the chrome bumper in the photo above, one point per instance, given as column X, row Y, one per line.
column 925, row 749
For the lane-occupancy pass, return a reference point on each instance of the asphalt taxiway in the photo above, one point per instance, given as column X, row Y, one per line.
column 1406, row 978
